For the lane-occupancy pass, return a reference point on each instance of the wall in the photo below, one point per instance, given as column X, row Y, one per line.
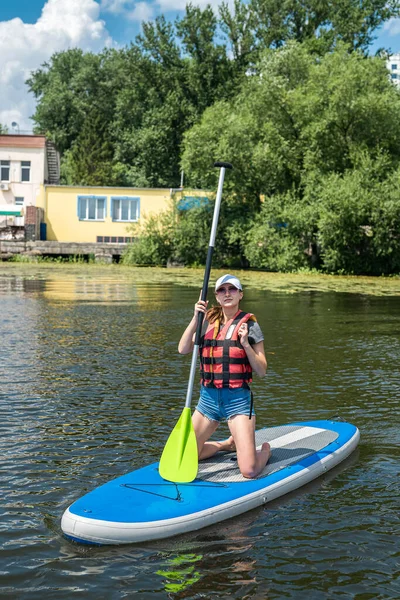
column 17, row 148
column 60, row 205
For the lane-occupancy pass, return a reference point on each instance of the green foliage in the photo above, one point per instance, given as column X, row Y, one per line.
column 3, row 129
column 260, row 24
column 142, row 99
column 183, row 236
column 359, row 224
column 152, row 244
column 302, row 114
column 89, row 161
column 68, row 87
column 289, row 97
column 148, row 95
column 283, row 236
column 346, row 223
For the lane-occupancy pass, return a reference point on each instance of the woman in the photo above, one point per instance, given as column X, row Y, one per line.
column 232, row 347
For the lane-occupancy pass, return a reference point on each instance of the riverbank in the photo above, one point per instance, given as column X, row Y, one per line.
column 287, row 283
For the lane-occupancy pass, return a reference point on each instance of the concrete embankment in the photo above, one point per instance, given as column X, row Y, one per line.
column 106, row 253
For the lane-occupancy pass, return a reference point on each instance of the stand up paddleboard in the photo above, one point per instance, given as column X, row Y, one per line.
column 141, row 506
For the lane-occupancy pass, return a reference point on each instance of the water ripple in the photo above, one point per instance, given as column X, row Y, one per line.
column 91, row 384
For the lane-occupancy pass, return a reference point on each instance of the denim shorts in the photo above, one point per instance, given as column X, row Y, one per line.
column 220, row 404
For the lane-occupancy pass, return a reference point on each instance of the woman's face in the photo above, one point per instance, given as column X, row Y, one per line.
column 228, row 295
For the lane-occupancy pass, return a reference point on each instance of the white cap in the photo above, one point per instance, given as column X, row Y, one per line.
column 228, row 279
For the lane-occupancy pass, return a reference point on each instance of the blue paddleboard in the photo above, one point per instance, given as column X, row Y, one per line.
column 141, row 506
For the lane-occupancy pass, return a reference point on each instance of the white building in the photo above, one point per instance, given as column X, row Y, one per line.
column 393, row 64
column 26, row 163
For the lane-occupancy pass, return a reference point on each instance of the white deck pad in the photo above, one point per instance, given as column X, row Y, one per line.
column 289, row 444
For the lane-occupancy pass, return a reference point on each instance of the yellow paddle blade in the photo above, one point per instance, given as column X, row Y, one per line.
column 179, row 460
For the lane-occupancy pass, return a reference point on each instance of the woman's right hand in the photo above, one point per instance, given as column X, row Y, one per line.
column 200, row 306
column 187, row 340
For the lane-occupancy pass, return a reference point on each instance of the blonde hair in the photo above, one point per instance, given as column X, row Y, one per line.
column 215, row 313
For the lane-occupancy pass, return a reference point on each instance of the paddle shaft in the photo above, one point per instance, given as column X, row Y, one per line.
column 223, row 166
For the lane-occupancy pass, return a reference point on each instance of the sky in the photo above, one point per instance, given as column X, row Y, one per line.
column 32, row 30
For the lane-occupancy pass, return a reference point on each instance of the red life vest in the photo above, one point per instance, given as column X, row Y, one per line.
column 223, row 360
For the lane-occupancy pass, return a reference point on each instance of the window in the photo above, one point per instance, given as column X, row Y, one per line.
column 125, row 209
column 25, row 170
column 91, row 208
column 4, row 170
column 394, row 67
column 120, row 240
column 394, row 75
column 19, row 201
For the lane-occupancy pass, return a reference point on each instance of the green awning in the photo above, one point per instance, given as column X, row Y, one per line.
column 10, row 210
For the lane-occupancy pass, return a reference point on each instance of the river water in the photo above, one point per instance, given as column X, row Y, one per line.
column 91, row 386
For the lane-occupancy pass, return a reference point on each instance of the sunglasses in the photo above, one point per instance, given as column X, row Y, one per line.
column 231, row 289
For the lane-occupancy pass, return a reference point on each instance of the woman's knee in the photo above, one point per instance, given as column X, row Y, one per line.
column 248, row 470
column 250, row 473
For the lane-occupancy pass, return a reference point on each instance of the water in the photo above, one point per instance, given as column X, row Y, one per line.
column 91, row 386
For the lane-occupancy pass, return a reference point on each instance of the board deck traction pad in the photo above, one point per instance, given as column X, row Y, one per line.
column 289, row 444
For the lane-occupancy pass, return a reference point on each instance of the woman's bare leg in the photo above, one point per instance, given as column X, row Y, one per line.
column 204, row 428
column 251, row 461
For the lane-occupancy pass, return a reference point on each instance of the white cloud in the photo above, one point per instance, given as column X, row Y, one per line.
column 24, row 47
column 132, row 10
column 142, row 11
column 145, row 10
column 392, row 27
column 116, row 7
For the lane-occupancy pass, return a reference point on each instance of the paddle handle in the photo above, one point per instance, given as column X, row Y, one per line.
column 223, row 166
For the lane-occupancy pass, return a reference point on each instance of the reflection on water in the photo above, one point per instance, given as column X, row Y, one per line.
column 91, row 385
column 180, row 572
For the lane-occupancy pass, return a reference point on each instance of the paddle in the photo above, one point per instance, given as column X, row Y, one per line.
column 179, row 460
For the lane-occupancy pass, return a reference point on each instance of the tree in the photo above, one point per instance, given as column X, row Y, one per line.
column 302, row 114
column 89, row 161
column 289, row 96
column 146, row 95
column 69, row 86
column 260, row 24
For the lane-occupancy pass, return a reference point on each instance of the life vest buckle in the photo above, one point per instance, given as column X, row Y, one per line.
column 213, row 343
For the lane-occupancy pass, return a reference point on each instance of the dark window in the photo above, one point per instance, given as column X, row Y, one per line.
column 25, row 170
column 4, row 170
column 106, row 239
column 99, row 238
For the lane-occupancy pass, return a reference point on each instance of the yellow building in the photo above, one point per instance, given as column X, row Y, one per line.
column 29, row 186
column 101, row 214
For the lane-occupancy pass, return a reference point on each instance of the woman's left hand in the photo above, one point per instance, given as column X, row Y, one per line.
column 243, row 334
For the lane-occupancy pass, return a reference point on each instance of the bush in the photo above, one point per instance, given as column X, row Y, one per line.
column 283, row 235
column 359, row 224
column 152, row 244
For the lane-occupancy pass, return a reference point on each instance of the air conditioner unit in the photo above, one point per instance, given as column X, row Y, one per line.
column 4, row 186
